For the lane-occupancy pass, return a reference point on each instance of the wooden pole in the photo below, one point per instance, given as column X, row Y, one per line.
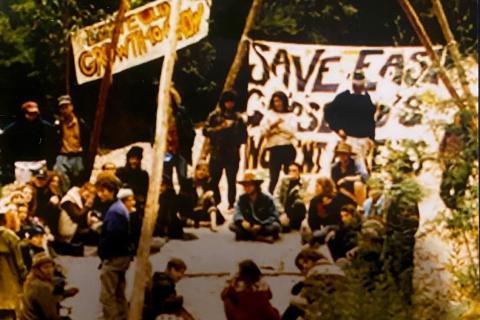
column 159, row 147
column 453, row 49
column 105, row 86
column 239, row 56
column 425, row 39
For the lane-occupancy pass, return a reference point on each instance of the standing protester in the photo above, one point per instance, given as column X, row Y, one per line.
column 279, row 135
column 256, row 216
column 161, row 296
column 373, row 205
column 227, row 132
column 12, row 270
column 134, row 176
column 29, row 143
column 74, row 139
column 290, row 198
column 180, row 138
column 352, row 117
column 115, row 249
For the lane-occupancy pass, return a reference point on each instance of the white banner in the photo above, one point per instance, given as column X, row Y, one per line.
column 142, row 37
column 400, row 78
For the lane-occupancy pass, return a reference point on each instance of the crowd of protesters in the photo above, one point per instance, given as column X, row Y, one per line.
column 50, row 207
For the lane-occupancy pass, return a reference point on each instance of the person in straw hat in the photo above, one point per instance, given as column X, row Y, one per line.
column 256, row 216
column 348, row 176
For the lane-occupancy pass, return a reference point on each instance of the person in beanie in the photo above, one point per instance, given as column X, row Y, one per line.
column 74, row 140
column 39, row 300
column 115, row 248
column 134, row 176
column 256, row 216
column 227, row 132
column 180, row 137
column 12, row 270
column 28, row 144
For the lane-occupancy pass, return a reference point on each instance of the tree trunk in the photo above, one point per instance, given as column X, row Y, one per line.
column 425, row 39
column 105, row 86
column 152, row 205
column 237, row 61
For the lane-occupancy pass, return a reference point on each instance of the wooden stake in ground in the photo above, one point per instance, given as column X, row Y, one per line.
column 159, row 147
column 105, row 85
column 453, row 49
column 239, row 56
column 427, row 43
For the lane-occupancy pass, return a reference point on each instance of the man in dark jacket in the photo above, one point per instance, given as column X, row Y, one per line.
column 227, row 132
column 115, row 249
column 74, row 140
column 256, row 216
column 352, row 117
column 180, row 138
column 28, row 143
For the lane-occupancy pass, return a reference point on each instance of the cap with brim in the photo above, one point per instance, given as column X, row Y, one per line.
column 65, row 99
column 40, row 259
column 250, row 177
column 41, row 173
column 30, row 107
column 344, row 148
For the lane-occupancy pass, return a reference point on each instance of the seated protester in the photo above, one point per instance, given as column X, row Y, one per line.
column 289, row 198
column 324, row 208
column 348, row 176
column 26, row 222
column 304, row 261
column 12, row 269
column 256, row 216
column 168, row 222
column 12, row 221
column 343, row 238
column 77, row 223
column 48, row 201
column 161, row 296
column 373, row 206
column 321, row 276
column 40, row 299
column 29, row 193
column 247, row 296
column 197, row 202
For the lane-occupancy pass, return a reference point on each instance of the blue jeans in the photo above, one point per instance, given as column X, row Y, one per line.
column 72, row 169
column 180, row 165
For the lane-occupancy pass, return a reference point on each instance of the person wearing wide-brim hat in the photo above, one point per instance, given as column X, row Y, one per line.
column 256, row 216
column 348, row 175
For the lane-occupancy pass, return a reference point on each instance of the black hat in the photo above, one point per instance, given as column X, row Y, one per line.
column 135, row 151
column 36, row 230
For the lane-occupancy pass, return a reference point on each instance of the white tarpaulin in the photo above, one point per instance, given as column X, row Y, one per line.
column 400, row 78
column 142, row 37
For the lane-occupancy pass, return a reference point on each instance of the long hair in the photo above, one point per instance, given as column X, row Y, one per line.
column 328, row 187
column 249, row 272
column 228, row 95
column 283, row 97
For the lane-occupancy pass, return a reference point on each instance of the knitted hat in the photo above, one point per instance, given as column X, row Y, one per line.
column 135, row 151
column 40, row 259
column 124, row 193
